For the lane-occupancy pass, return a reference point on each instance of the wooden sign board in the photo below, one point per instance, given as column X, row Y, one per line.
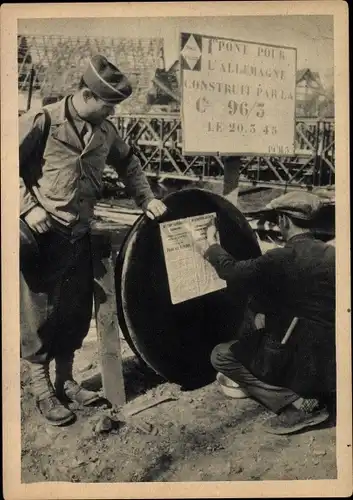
column 238, row 97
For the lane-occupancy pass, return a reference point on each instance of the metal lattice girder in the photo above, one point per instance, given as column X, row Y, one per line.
column 328, row 149
column 156, row 139
column 306, row 135
column 59, row 62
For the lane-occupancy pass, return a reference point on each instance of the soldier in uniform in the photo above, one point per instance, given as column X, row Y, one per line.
column 295, row 379
column 58, row 191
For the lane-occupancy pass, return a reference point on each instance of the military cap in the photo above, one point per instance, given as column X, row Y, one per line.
column 300, row 205
column 106, row 81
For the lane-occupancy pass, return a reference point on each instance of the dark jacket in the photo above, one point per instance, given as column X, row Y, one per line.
column 297, row 280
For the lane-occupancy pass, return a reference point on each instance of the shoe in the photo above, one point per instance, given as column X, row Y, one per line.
column 293, row 420
column 54, row 411
column 74, row 392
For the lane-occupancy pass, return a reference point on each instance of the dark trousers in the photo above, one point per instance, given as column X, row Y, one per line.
column 56, row 297
column 272, row 397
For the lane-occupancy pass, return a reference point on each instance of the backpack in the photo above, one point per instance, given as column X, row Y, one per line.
column 31, row 175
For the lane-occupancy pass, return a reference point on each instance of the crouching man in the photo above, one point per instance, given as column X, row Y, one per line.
column 63, row 150
column 294, row 377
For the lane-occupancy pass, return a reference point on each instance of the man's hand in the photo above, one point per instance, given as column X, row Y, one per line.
column 260, row 321
column 212, row 233
column 199, row 245
column 155, row 208
column 38, row 220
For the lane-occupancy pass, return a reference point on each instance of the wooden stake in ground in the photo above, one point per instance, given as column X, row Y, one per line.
column 106, row 318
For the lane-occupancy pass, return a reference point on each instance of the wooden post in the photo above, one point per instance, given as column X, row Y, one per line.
column 231, row 178
column 106, row 318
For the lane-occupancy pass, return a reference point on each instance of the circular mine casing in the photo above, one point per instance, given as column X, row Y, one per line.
column 177, row 340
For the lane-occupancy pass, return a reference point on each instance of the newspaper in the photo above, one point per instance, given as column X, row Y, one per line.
column 189, row 274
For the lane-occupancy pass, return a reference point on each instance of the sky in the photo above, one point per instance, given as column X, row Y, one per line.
column 311, row 35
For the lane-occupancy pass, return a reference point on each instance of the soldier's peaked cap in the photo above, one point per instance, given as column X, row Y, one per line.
column 106, row 81
column 298, row 204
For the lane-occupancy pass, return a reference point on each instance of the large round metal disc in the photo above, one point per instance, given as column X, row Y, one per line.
column 177, row 340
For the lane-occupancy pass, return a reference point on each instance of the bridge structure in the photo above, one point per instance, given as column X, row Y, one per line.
column 50, row 66
column 157, row 140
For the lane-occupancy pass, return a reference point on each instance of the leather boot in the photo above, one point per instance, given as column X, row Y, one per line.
column 67, row 388
column 47, row 403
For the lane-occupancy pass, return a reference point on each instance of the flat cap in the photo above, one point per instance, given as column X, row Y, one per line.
column 298, row 204
column 106, row 80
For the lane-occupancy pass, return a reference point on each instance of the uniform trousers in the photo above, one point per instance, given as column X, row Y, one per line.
column 272, row 397
column 56, row 297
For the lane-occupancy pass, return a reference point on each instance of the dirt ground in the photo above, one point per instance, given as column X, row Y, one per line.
column 200, row 436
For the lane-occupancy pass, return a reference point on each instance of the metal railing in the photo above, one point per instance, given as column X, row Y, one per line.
column 157, row 140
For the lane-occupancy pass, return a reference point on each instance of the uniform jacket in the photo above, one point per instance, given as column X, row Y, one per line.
column 297, row 280
column 69, row 180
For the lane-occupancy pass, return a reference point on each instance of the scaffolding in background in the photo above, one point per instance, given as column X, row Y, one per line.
column 50, row 66
column 53, row 64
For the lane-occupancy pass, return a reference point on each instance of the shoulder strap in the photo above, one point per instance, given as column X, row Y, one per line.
column 31, row 175
column 47, row 123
